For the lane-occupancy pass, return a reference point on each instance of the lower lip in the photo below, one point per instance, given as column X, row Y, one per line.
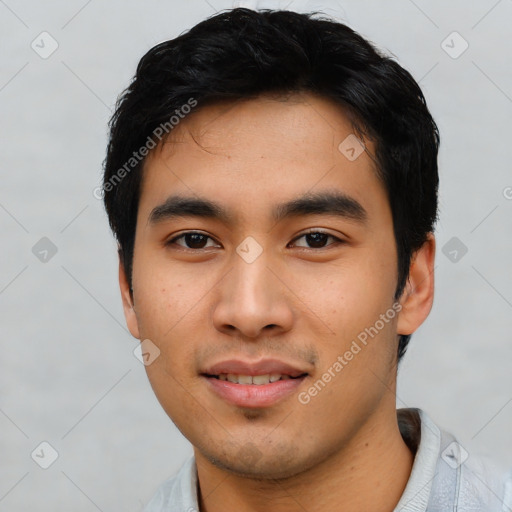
column 254, row 395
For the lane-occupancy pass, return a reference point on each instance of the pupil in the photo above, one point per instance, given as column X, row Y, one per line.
column 316, row 239
column 195, row 240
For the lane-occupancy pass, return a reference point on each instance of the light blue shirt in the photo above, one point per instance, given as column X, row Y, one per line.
column 444, row 478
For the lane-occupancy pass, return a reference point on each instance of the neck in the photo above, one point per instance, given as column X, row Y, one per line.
column 374, row 468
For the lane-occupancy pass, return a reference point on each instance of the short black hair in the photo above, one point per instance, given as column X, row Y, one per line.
column 241, row 54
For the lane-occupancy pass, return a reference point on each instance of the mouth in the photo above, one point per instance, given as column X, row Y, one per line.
column 253, row 391
column 260, row 383
column 256, row 380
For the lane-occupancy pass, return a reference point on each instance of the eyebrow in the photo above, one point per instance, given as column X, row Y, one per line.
column 323, row 203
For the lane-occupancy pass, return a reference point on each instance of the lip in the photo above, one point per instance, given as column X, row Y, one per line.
column 261, row 367
column 254, row 395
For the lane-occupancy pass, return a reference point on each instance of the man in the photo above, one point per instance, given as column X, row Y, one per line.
column 271, row 179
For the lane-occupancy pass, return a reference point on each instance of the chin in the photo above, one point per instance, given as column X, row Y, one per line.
column 249, row 462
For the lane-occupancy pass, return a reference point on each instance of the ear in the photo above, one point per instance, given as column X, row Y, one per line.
column 418, row 295
column 128, row 306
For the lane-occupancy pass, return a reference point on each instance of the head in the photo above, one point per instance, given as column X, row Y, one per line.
column 304, row 162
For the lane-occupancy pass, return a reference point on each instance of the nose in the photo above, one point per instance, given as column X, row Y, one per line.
column 253, row 301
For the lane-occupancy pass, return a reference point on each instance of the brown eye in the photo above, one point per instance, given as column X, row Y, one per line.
column 192, row 240
column 316, row 240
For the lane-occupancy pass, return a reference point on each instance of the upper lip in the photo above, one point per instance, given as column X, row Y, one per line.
column 261, row 367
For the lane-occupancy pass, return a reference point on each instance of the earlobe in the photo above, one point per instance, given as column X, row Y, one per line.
column 418, row 295
column 128, row 307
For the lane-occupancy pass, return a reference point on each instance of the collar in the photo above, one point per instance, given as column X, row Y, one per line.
column 428, row 442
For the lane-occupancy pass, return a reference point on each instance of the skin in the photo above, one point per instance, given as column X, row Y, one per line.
column 298, row 302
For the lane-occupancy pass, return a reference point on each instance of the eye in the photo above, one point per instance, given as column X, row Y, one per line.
column 192, row 240
column 195, row 240
column 317, row 240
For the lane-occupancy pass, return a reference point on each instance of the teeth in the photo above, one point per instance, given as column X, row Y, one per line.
column 244, row 379
column 260, row 379
column 256, row 379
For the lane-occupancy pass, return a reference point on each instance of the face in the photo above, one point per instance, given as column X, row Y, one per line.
column 283, row 262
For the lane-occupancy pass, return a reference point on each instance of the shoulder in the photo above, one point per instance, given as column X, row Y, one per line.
column 482, row 485
column 446, row 475
column 466, row 481
column 178, row 492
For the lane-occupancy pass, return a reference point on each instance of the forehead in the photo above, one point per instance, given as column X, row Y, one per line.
column 281, row 127
column 261, row 151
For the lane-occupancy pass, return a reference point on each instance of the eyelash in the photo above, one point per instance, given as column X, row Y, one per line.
column 312, row 231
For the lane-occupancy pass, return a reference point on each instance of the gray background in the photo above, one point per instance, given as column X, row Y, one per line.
column 68, row 373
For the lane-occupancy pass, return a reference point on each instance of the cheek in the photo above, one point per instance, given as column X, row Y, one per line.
column 168, row 317
column 353, row 296
column 160, row 294
column 169, row 305
column 356, row 359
